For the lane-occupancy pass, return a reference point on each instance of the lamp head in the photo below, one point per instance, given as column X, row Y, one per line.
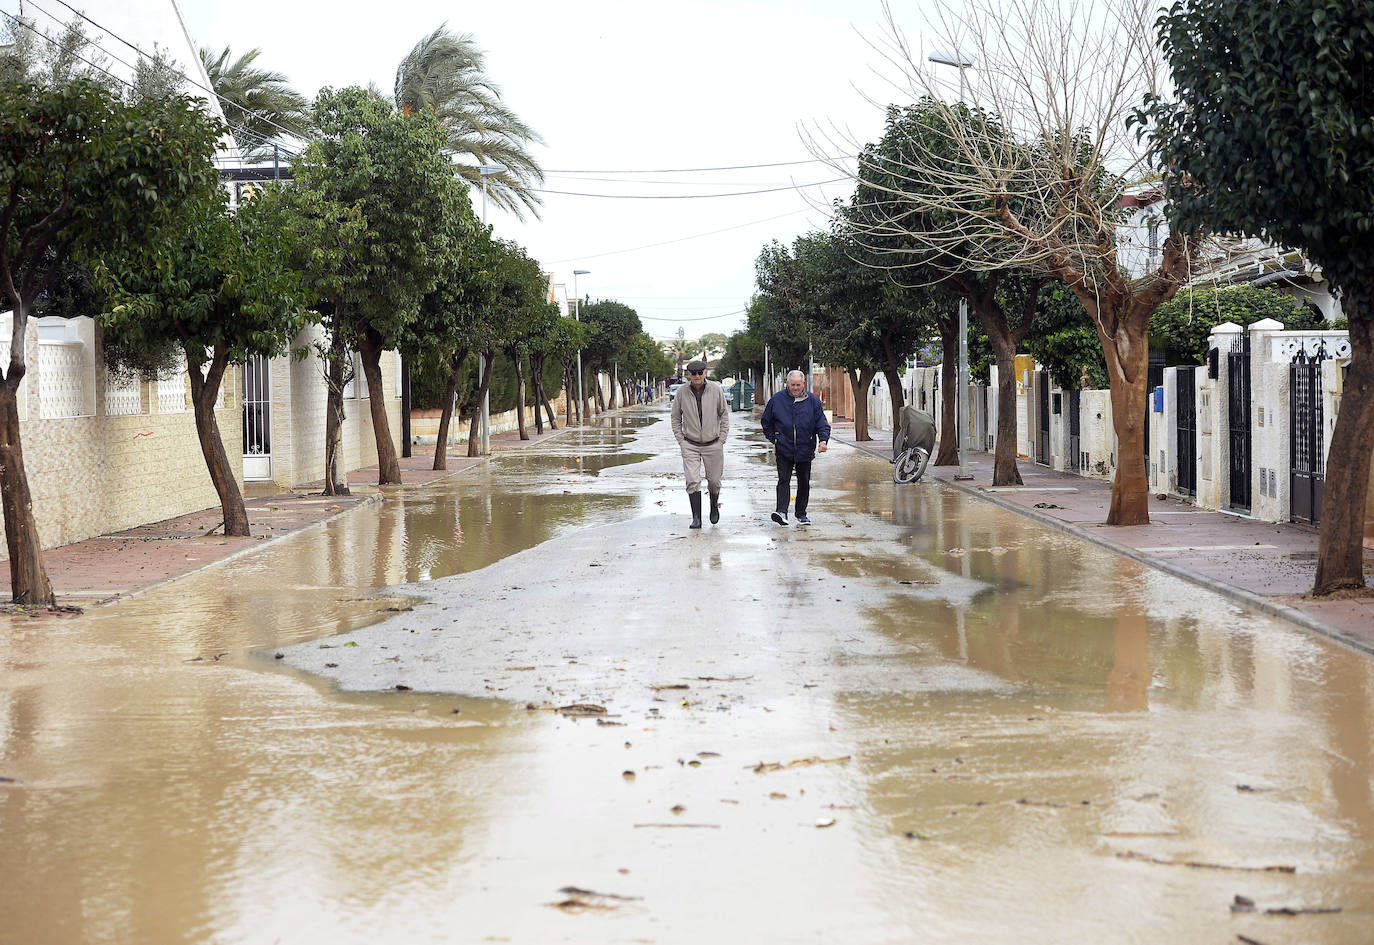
column 944, row 58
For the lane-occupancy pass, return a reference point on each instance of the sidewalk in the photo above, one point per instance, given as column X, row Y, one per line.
column 107, row 567
column 1260, row 565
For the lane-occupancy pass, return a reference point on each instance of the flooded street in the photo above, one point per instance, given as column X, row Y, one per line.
column 922, row 719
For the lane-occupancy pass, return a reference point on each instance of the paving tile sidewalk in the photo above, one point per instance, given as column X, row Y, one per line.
column 108, row 567
column 1267, row 567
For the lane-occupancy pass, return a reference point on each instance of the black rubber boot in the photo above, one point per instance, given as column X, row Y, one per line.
column 715, row 507
column 695, row 499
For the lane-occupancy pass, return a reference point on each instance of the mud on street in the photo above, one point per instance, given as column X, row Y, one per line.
column 526, row 704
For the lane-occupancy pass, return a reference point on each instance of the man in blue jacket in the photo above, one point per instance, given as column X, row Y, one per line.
column 793, row 421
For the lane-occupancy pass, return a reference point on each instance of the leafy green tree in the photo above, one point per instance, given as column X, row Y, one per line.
column 643, row 358
column 215, row 285
column 80, row 171
column 1267, row 134
column 522, row 288
column 1065, row 340
column 908, row 225
column 838, row 298
column 444, row 329
column 611, row 326
column 445, row 74
column 319, row 237
column 712, row 341
column 1035, row 182
column 743, row 353
column 1181, row 327
column 391, row 170
column 772, row 316
column 563, row 344
column 543, row 338
column 29, row 55
column 259, row 104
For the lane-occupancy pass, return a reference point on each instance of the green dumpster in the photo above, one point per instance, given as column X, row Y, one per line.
column 741, row 395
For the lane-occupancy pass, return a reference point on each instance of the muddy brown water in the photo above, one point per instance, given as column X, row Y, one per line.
column 923, row 719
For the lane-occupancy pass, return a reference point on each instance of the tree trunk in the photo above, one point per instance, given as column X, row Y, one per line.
column 487, row 359
column 947, row 453
column 569, row 379
column 596, row 389
column 1340, row 554
column 567, row 398
column 520, row 396
column 28, row 580
column 541, row 395
column 537, row 379
column 455, row 364
column 859, row 379
column 1130, row 502
column 335, row 380
column 1004, row 469
column 475, row 433
column 204, row 393
column 388, row 465
column 895, row 396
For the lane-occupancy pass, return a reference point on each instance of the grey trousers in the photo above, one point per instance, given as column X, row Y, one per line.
column 695, row 457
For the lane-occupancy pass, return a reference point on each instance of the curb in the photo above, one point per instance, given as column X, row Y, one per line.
column 1249, row 599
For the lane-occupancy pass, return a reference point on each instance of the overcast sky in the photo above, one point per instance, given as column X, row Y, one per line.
column 627, row 95
column 631, row 98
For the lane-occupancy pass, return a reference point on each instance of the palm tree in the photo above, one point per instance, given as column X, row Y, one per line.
column 259, row 106
column 446, row 73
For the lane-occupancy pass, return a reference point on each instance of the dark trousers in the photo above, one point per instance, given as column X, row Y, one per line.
column 785, row 468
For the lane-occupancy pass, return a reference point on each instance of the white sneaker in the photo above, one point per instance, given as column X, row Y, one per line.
column 780, row 518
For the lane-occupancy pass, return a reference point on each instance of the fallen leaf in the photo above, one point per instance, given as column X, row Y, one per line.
column 581, row 709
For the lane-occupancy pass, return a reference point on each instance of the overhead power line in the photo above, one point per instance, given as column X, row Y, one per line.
column 239, row 129
column 680, row 239
column 695, row 170
column 664, row 318
column 737, row 193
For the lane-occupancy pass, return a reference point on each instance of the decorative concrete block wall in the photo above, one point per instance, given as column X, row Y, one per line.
column 1096, row 436
column 1061, row 457
column 105, row 454
column 95, row 474
column 1270, row 436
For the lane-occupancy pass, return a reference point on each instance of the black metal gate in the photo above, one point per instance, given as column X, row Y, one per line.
column 1307, row 454
column 1042, row 445
column 1154, row 374
column 1075, row 452
column 1238, row 412
column 1186, row 398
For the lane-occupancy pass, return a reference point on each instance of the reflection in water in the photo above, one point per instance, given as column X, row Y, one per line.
column 1035, row 731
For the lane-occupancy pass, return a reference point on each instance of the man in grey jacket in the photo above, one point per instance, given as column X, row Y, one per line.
column 701, row 422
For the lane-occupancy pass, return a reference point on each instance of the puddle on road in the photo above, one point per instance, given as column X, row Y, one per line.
column 1005, row 748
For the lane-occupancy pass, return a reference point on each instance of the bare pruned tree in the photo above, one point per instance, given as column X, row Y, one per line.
column 1028, row 171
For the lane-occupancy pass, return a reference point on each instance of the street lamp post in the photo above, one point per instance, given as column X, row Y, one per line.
column 577, row 316
column 484, row 425
column 961, row 391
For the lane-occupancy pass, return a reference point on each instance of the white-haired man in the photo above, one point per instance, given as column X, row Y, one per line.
column 794, row 422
